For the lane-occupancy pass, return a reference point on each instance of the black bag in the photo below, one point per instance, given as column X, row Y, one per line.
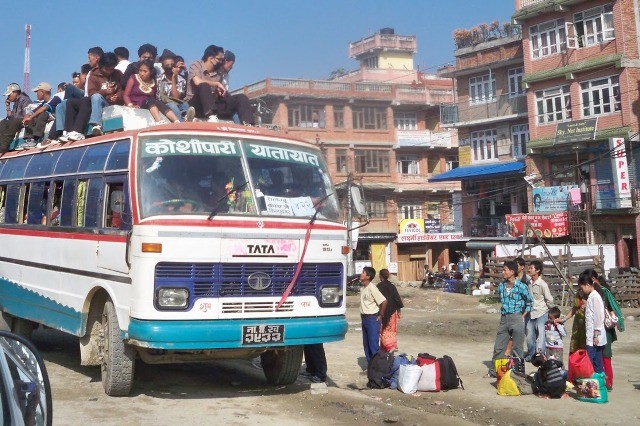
column 449, row 378
column 379, row 370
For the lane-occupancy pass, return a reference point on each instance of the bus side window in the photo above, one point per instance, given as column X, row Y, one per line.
column 54, row 206
column 115, row 206
column 93, row 209
column 12, row 202
column 24, row 201
column 81, row 201
column 37, row 203
column 67, row 205
column 3, row 199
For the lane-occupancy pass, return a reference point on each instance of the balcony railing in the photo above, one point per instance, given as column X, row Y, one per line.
column 527, row 3
column 497, row 107
column 323, row 88
column 489, row 227
column 383, row 41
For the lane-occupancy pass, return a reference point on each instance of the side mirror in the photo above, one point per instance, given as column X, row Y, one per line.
column 358, row 202
column 117, row 201
column 25, row 390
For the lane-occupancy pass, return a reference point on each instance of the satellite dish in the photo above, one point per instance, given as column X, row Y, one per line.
column 357, row 201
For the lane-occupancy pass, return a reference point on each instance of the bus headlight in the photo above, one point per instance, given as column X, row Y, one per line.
column 330, row 296
column 172, row 298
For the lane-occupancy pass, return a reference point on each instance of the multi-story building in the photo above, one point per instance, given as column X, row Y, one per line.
column 490, row 114
column 582, row 73
column 379, row 127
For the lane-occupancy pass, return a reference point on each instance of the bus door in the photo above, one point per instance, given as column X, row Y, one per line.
column 114, row 223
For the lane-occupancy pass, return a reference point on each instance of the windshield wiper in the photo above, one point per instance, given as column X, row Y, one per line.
column 315, row 215
column 216, row 208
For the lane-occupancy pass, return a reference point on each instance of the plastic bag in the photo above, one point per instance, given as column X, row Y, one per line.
column 502, row 365
column 592, row 389
column 579, row 365
column 408, row 378
column 430, row 378
column 507, row 386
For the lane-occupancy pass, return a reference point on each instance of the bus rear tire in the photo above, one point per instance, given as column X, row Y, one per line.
column 281, row 366
column 118, row 358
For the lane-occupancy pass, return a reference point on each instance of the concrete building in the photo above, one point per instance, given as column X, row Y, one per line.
column 379, row 126
column 582, row 73
column 490, row 115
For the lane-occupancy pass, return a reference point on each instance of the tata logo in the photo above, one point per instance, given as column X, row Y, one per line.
column 259, row 281
column 261, row 249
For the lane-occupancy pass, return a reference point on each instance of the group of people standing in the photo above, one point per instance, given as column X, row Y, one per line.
column 528, row 311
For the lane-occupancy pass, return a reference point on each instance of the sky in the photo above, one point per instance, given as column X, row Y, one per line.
column 271, row 38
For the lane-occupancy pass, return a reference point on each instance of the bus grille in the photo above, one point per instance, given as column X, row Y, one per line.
column 230, row 279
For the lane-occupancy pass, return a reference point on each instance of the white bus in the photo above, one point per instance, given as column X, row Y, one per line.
column 176, row 243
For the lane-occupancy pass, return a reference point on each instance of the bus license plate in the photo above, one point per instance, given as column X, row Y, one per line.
column 260, row 334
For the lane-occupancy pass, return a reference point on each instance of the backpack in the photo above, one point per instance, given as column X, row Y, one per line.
column 449, row 378
column 379, row 369
column 552, row 379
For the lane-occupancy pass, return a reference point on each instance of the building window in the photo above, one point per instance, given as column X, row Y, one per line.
column 409, row 211
column 553, row 104
column 594, row 26
column 341, row 161
column 484, row 145
column 377, row 208
column 601, row 96
column 369, row 118
column 338, row 117
column 520, row 139
column 516, row 88
column 548, row 38
column 563, row 173
column 371, row 62
column 433, row 210
column 482, row 89
column 405, row 121
column 306, row 116
column 408, row 164
column 372, row 161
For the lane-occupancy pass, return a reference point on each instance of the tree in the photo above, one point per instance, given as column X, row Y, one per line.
column 338, row 72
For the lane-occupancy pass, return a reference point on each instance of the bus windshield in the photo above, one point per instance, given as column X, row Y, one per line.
column 199, row 174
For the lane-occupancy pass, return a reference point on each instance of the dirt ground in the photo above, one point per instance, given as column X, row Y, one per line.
column 236, row 392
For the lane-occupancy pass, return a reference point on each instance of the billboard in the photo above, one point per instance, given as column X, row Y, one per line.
column 549, row 225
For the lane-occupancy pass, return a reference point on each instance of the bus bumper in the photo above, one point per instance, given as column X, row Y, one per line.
column 227, row 334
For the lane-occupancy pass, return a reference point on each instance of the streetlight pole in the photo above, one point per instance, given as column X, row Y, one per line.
column 349, row 221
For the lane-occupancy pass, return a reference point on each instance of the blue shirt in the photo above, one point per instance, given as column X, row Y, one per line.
column 517, row 300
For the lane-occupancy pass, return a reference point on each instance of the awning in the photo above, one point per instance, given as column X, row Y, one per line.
column 480, row 171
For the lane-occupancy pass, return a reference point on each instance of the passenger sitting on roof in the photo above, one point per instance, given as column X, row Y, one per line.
column 36, row 120
column 183, row 67
column 228, row 105
column 141, row 93
column 123, row 58
column 74, row 92
column 103, row 89
column 13, row 123
column 203, row 85
column 145, row 52
column 172, row 87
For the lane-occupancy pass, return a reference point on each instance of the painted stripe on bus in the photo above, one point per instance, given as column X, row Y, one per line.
column 64, row 234
column 260, row 224
column 55, row 268
column 21, row 302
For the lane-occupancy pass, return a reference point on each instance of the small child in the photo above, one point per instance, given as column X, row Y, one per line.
column 553, row 334
column 550, row 379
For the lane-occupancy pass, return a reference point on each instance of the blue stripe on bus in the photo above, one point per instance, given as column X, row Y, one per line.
column 221, row 334
column 20, row 302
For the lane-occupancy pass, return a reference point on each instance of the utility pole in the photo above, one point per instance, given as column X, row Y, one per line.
column 349, row 221
column 27, row 60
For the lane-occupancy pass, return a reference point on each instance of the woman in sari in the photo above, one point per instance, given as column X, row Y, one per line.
column 389, row 329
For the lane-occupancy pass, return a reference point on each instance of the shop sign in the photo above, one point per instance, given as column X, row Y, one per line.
column 431, row 226
column 576, row 131
column 620, row 166
column 427, row 238
column 550, row 225
column 412, row 226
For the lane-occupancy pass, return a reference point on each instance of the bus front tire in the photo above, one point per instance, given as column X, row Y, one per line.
column 118, row 358
column 282, row 366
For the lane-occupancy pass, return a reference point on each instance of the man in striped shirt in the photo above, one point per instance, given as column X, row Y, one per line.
column 516, row 303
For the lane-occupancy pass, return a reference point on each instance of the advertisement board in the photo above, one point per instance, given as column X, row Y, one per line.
column 550, row 225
